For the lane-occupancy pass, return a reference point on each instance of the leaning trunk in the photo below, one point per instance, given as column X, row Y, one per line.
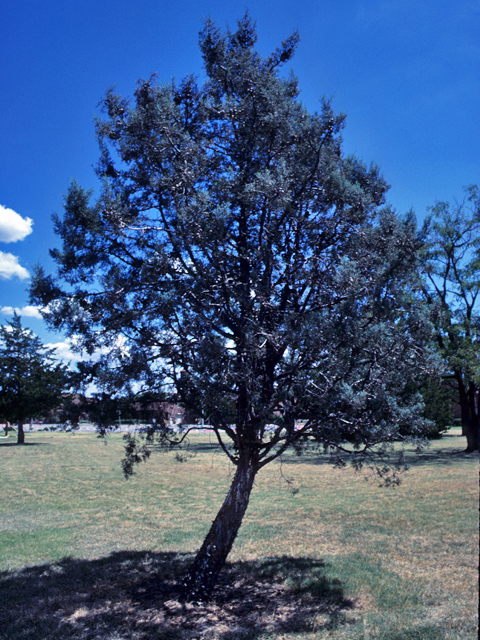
column 20, row 434
column 202, row 576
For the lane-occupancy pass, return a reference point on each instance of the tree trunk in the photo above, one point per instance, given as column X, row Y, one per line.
column 472, row 430
column 200, row 580
column 469, row 405
column 473, row 439
column 465, row 416
column 20, row 434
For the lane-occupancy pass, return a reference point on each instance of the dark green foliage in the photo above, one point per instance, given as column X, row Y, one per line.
column 451, row 264
column 108, row 411
column 31, row 381
column 251, row 268
column 439, row 401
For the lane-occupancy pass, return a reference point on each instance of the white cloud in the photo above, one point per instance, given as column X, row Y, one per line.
column 10, row 267
column 28, row 311
column 63, row 350
column 12, row 226
column 115, row 345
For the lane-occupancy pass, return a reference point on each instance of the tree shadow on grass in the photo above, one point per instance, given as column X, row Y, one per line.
column 192, row 447
column 14, row 443
column 134, row 595
column 437, row 457
column 429, row 456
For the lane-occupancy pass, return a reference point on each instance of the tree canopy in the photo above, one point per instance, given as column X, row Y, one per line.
column 31, row 380
column 251, row 269
column 451, row 266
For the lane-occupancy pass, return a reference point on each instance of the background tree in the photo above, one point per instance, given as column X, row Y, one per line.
column 31, row 381
column 251, row 269
column 451, row 265
column 439, row 398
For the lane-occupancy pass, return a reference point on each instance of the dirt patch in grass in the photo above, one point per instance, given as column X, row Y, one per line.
column 135, row 595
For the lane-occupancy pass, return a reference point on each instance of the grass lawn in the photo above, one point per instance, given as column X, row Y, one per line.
column 85, row 554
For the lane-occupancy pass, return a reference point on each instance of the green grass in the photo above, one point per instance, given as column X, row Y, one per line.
column 86, row 554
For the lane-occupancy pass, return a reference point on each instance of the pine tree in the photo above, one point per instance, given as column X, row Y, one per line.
column 31, row 381
column 252, row 270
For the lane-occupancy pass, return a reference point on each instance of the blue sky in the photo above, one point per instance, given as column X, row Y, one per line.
column 406, row 73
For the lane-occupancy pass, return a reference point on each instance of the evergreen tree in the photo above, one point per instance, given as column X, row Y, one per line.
column 451, row 266
column 251, row 269
column 31, row 381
